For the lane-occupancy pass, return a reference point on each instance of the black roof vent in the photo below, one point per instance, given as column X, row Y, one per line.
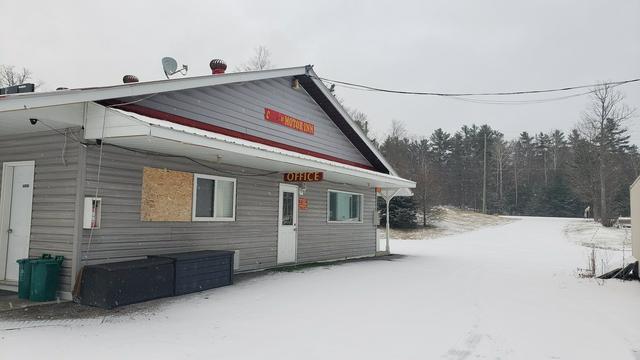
column 130, row 79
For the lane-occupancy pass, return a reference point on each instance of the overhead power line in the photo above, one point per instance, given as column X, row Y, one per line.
column 499, row 93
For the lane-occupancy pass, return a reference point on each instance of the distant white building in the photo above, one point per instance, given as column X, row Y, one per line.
column 635, row 217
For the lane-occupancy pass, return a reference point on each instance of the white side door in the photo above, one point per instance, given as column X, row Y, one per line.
column 287, row 223
column 15, row 216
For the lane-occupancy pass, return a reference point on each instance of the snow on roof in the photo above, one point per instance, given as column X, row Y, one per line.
column 153, row 122
column 62, row 97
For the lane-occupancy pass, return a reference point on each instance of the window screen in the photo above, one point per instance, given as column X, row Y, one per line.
column 344, row 207
column 205, row 197
column 214, row 198
column 224, row 194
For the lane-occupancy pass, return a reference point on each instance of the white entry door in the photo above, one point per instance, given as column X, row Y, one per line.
column 15, row 216
column 287, row 224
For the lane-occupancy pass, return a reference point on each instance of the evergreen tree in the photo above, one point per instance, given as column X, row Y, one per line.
column 403, row 212
column 548, row 174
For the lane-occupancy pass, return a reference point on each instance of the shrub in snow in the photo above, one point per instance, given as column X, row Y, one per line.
column 403, row 212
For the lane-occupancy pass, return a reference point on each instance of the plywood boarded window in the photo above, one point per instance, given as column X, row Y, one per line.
column 167, row 195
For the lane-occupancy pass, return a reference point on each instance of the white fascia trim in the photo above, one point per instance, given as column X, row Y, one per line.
column 350, row 121
column 270, row 153
column 61, row 97
column 184, row 134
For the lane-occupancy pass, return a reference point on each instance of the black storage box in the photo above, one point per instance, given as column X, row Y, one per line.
column 200, row 270
column 115, row 284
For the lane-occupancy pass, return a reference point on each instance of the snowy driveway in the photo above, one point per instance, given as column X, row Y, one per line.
column 503, row 292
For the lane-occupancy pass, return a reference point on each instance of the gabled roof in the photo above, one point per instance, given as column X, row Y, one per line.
column 305, row 74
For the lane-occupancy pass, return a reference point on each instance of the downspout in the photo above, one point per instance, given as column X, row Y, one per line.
column 387, row 244
column 79, row 205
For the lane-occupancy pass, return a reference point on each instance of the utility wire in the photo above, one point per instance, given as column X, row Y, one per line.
column 499, row 93
column 153, row 153
column 519, row 102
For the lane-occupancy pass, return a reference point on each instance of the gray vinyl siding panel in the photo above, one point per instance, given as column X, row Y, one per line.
column 254, row 233
column 54, row 191
column 240, row 107
column 123, row 235
column 319, row 240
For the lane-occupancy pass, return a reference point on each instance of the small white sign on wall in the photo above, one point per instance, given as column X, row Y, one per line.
column 92, row 213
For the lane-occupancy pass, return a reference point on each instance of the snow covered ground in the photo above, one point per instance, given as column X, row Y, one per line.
column 507, row 291
column 448, row 221
column 611, row 247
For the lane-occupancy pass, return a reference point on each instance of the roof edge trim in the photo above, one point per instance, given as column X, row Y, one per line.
column 349, row 121
column 62, row 97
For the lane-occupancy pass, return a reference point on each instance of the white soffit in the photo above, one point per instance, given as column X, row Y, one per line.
column 56, row 117
column 142, row 132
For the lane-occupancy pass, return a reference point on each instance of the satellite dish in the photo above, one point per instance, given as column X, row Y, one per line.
column 170, row 67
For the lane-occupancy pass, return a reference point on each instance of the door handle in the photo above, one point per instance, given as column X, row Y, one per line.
column 9, row 230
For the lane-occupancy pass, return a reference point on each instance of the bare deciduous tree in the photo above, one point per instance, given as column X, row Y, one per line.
column 360, row 119
column 261, row 60
column 398, row 129
column 602, row 123
column 501, row 154
column 10, row 76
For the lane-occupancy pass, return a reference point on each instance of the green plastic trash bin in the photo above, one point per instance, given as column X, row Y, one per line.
column 44, row 278
column 24, row 278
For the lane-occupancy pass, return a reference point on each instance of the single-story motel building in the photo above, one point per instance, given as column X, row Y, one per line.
column 265, row 163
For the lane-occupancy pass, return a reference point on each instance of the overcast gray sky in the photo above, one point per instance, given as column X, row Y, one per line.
column 446, row 46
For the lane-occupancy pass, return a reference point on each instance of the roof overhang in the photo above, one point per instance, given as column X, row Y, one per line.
column 50, row 118
column 18, row 108
column 330, row 104
column 134, row 131
column 52, row 98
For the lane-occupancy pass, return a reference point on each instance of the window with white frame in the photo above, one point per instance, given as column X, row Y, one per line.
column 344, row 206
column 214, row 198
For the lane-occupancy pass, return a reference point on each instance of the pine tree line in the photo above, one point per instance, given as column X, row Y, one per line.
column 545, row 174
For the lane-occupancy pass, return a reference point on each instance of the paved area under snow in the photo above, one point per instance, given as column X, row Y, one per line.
column 503, row 292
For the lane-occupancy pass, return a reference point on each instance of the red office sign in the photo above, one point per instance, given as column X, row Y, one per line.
column 304, row 176
column 289, row 121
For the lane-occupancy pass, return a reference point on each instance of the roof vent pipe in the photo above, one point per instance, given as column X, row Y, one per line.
column 129, row 79
column 218, row 66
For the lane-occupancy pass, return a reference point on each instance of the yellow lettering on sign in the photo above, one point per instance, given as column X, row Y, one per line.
column 289, row 121
column 303, row 176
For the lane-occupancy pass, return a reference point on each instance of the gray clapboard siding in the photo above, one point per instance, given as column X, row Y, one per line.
column 240, row 107
column 123, row 236
column 319, row 240
column 54, row 191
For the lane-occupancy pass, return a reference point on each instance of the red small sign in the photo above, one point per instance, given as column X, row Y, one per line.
column 303, row 203
column 289, row 121
column 303, row 176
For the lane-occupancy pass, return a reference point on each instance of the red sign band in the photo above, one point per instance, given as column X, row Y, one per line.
column 289, row 121
column 303, row 176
